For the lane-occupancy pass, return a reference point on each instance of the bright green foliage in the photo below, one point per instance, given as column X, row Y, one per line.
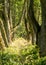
column 16, row 7
column 27, row 56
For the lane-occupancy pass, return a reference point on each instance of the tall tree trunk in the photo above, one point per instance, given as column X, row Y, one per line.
column 28, row 24
column 6, row 22
column 10, row 19
column 40, row 31
column 33, row 21
column 3, row 34
column 42, row 36
column 2, row 29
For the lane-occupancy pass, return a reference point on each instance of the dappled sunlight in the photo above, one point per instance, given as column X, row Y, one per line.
column 19, row 43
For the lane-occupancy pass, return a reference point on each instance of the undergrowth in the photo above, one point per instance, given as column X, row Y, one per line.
column 29, row 55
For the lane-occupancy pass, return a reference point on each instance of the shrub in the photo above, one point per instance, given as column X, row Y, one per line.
column 29, row 55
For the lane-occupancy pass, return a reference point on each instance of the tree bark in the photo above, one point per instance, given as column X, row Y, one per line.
column 6, row 23
column 3, row 34
column 33, row 21
column 42, row 36
column 40, row 31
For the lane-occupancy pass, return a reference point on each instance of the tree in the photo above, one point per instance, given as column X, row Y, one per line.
column 39, row 30
column 6, row 21
column 42, row 39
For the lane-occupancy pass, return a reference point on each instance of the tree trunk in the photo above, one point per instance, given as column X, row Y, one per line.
column 33, row 21
column 42, row 36
column 6, row 23
column 3, row 34
column 10, row 19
